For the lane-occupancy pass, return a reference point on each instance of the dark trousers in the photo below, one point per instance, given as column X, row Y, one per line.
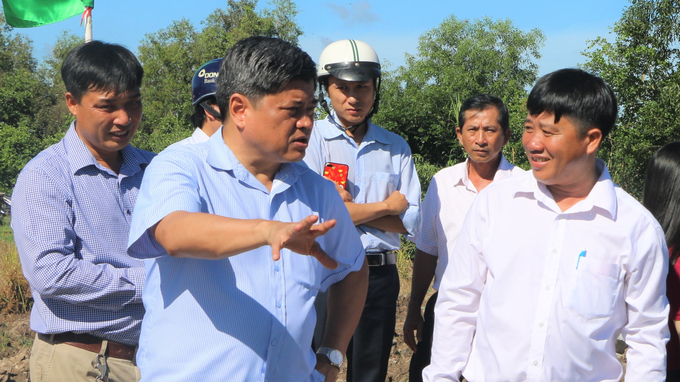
column 369, row 350
column 673, row 376
column 320, row 328
column 421, row 358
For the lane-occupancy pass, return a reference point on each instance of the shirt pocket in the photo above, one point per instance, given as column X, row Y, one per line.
column 381, row 185
column 593, row 289
column 306, row 271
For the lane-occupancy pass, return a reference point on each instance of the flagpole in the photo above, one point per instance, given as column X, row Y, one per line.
column 88, row 28
column 87, row 15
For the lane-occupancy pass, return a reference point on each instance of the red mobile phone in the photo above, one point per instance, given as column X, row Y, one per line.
column 337, row 172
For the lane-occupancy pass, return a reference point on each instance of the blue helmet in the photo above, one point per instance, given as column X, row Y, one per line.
column 204, row 82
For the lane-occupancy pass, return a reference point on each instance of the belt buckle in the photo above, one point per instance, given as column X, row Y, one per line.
column 381, row 256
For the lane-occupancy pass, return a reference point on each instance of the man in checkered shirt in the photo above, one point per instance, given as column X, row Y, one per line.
column 71, row 212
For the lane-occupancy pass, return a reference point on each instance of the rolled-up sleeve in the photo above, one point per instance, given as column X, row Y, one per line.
column 169, row 185
column 409, row 185
column 427, row 239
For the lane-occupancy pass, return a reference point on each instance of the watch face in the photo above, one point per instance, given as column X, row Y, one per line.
column 335, row 356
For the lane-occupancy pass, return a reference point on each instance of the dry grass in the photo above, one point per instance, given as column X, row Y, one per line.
column 15, row 295
column 405, row 260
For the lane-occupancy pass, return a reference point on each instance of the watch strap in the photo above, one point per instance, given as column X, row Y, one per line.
column 334, row 356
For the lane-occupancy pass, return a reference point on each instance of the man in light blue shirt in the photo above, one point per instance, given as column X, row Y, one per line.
column 236, row 259
column 382, row 191
column 71, row 212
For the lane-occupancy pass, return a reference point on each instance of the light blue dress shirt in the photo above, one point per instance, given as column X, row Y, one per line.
column 71, row 218
column 246, row 317
column 380, row 165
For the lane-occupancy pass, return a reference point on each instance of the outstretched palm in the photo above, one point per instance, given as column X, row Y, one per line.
column 300, row 238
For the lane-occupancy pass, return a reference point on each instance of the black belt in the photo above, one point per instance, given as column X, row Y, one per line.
column 377, row 259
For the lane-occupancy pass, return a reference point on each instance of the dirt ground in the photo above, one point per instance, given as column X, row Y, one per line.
column 400, row 358
column 17, row 338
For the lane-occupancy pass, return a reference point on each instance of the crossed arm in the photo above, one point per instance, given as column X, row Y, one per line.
column 381, row 215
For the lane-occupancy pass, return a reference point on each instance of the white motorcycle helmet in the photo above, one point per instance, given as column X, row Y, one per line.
column 349, row 60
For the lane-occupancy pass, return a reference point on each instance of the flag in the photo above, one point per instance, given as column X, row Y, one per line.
column 34, row 13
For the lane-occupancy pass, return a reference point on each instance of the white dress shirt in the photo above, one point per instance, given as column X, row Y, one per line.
column 198, row 136
column 444, row 208
column 532, row 293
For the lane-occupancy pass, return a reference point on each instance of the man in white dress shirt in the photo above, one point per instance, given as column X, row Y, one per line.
column 483, row 129
column 553, row 265
column 206, row 118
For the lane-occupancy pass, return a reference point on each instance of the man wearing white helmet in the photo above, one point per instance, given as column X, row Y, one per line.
column 378, row 181
column 206, row 118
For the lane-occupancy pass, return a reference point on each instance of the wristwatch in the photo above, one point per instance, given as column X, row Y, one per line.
column 334, row 356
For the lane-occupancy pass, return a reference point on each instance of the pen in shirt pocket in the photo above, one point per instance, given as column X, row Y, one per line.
column 580, row 255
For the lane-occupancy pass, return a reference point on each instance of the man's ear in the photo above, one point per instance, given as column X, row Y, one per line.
column 594, row 137
column 72, row 103
column 238, row 105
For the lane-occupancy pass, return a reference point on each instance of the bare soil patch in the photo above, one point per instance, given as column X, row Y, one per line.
column 15, row 348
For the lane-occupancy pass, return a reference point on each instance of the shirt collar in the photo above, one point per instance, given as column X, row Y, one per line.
column 602, row 198
column 79, row 156
column 504, row 166
column 503, row 171
column 200, row 135
column 372, row 133
column 221, row 158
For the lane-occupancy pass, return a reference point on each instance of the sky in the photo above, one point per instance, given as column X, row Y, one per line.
column 391, row 27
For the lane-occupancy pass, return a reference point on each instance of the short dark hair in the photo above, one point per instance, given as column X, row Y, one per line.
column 661, row 193
column 578, row 95
column 483, row 102
column 100, row 66
column 198, row 118
column 259, row 66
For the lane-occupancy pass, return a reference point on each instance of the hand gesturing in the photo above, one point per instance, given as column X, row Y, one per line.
column 300, row 238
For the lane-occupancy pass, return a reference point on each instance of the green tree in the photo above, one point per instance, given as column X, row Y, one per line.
column 17, row 146
column 52, row 118
column 457, row 60
column 172, row 55
column 169, row 63
column 25, row 94
column 18, row 81
column 641, row 66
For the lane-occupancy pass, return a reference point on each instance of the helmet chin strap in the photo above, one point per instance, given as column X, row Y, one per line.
column 207, row 107
column 324, row 105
